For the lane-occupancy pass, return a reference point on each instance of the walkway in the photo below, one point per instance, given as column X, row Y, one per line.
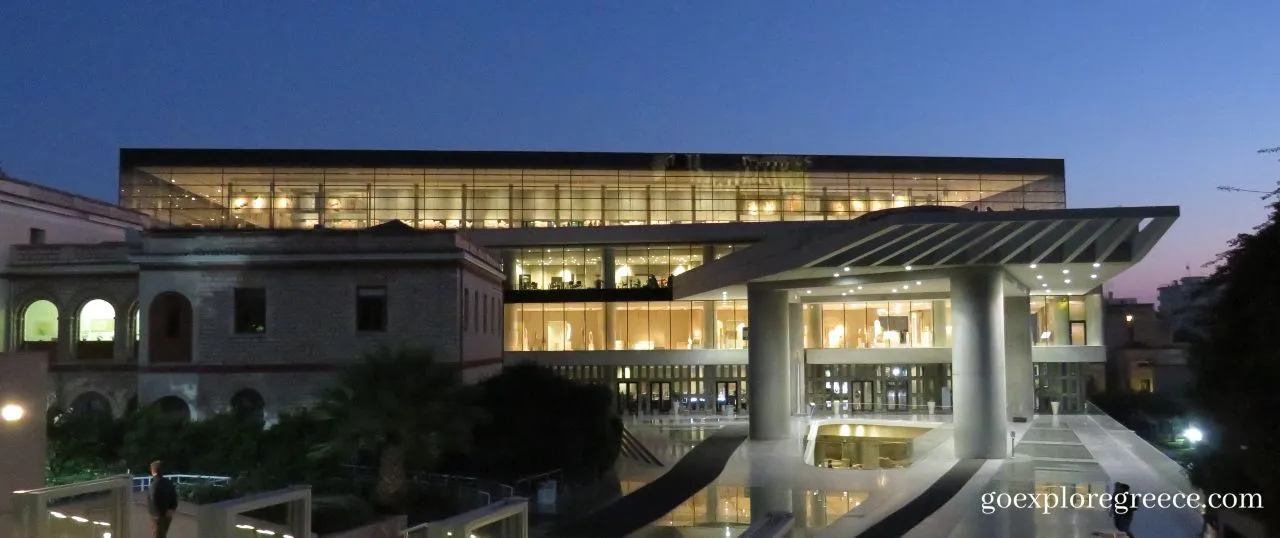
column 693, row 472
column 904, row 519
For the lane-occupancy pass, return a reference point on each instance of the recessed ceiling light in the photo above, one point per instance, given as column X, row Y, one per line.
column 1066, row 271
column 1048, row 291
column 1044, row 285
column 844, row 293
column 859, row 287
column 808, row 291
column 905, row 286
column 846, row 268
column 1039, row 277
column 917, row 282
column 895, row 290
column 1033, row 266
column 835, row 274
column 1093, row 276
column 908, row 267
column 1096, row 264
column 1067, row 281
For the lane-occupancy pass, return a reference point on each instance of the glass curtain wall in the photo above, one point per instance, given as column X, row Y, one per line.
column 555, row 327
column 1059, row 320
column 286, row 197
column 844, row 388
column 878, row 324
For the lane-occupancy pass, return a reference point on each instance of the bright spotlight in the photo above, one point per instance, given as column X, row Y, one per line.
column 1193, row 434
column 12, row 412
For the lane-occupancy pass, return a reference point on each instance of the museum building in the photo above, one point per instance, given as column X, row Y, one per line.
column 768, row 284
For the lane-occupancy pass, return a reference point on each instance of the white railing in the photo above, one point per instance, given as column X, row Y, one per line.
column 141, row 483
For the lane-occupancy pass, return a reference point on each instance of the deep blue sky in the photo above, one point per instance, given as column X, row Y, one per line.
column 1150, row 102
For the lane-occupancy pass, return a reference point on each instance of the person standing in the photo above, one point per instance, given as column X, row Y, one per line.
column 162, row 501
column 1123, row 506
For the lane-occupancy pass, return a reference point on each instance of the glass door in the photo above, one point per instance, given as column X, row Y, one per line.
column 861, row 396
column 660, row 397
column 726, row 396
column 628, row 398
column 896, row 395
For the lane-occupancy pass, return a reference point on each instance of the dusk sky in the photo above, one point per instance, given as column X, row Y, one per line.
column 1150, row 102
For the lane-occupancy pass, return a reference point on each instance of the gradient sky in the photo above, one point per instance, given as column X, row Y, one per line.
column 1150, row 102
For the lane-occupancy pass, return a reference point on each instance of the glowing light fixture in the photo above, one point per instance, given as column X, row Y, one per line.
column 1193, row 434
column 908, row 267
column 1066, row 271
column 12, row 412
column 1096, row 264
column 1093, row 276
column 846, row 268
column 1033, row 266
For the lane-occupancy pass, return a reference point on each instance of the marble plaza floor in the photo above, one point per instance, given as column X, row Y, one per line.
column 936, row 496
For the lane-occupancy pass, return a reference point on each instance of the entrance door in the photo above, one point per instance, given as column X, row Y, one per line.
column 726, row 395
column 660, row 397
column 628, row 398
column 895, row 395
column 1078, row 333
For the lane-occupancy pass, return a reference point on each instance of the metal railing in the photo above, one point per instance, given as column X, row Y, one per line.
column 141, row 483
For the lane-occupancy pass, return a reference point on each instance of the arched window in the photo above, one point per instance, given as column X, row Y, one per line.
column 97, row 330
column 91, row 403
column 248, row 402
column 40, row 322
column 174, row 406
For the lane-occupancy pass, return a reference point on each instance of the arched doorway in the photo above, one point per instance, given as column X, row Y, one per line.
column 173, row 406
column 169, row 328
column 40, row 327
column 248, row 403
column 91, row 404
column 96, row 331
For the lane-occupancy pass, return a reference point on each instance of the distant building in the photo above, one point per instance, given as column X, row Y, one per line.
column 1141, row 353
column 1180, row 303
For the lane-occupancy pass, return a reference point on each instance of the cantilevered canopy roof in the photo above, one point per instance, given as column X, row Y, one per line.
column 1067, row 251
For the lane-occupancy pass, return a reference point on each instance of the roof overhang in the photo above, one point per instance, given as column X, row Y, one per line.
column 1060, row 252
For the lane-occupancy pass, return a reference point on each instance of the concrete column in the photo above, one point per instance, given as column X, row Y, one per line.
column 940, row 322
column 795, row 316
column 769, row 499
column 610, row 268
column 1020, row 379
column 1059, row 320
column 978, row 369
column 709, row 332
column 509, row 269
column 708, row 253
column 812, row 333
column 610, row 324
column 767, row 365
column 1095, row 318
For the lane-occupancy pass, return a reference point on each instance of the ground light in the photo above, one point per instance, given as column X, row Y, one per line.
column 1193, row 434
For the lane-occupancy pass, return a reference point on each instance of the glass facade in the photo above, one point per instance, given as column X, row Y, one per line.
column 1059, row 320
column 878, row 324
column 427, row 198
column 845, row 388
column 581, row 267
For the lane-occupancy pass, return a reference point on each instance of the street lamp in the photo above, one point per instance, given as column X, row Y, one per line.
column 12, row 412
column 1193, row 435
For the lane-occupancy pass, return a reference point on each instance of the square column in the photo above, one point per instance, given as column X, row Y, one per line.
column 1019, row 376
column 795, row 318
column 978, row 363
column 1095, row 318
column 768, row 367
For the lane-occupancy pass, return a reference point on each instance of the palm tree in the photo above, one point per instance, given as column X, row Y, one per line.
column 398, row 402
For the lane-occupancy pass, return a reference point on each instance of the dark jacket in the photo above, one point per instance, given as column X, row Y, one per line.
column 161, row 497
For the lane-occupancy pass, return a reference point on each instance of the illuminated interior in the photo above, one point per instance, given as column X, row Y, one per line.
column 40, row 322
column 864, row 447
column 290, row 197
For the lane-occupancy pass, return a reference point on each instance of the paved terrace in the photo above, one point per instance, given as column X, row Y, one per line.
column 937, row 496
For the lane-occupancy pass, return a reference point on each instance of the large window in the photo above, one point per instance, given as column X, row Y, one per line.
column 659, row 325
column 1059, row 320
column 555, row 327
column 512, row 198
column 559, row 268
column 250, row 310
column 730, row 331
column 878, row 324
column 653, row 265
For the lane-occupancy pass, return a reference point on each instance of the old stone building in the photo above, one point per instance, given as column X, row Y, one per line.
column 200, row 321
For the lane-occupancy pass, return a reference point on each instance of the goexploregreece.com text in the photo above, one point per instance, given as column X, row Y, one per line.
column 1119, row 502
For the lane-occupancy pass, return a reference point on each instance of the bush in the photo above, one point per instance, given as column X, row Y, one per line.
column 540, row 422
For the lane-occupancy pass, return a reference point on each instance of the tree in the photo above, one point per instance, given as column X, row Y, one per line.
column 543, row 422
column 1237, row 366
column 396, row 403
